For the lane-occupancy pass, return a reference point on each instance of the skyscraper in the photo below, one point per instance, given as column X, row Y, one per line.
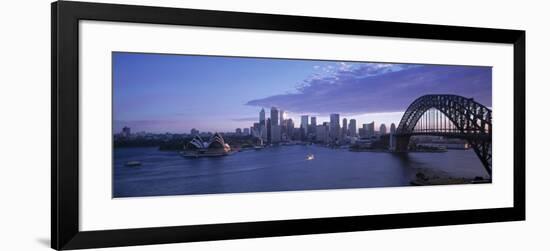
column 283, row 127
column 281, row 116
column 275, row 128
column 344, row 127
column 290, row 128
column 268, row 129
column 362, row 131
column 262, row 117
column 383, row 129
column 369, row 129
column 255, row 130
column 274, row 116
column 312, row 128
column 335, row 126
column 392, row 128
column 304, row 123
column 275, row 134
column 352, row 129
column 262, row 129
column 321, row 133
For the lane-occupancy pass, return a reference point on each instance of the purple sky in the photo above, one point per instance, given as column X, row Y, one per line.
column 174, row 93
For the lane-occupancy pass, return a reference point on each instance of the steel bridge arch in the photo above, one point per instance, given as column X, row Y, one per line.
column 472, row 120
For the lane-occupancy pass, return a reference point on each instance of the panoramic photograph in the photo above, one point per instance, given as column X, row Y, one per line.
column 197, row 124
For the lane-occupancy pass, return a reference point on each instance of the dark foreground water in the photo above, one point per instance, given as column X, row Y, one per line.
column 283, row 168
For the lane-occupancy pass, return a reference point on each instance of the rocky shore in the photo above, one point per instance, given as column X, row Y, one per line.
column 423, row 179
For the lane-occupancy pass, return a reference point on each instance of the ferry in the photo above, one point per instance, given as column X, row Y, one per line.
column 310, row 157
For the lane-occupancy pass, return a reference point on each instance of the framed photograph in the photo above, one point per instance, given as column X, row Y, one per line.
column 179, row 125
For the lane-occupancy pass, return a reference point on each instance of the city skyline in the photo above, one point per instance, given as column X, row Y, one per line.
column 306, row 121
column 175, row 93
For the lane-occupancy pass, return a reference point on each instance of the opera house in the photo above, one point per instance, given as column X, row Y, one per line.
column 216, row 146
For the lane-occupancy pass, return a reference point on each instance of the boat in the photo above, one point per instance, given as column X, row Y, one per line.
column 132, row 163
column 310, row 157
column 258, row 147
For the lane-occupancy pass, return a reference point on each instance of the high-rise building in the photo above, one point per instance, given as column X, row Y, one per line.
column 383, row 129
column 312, row 128
column 283, row 128
column 275, row 129
column 238, row 131
column 255, row 130
column 304, row 123
column 275, row 134
column 262, row 117
column 263, row 133
column 246, row 131
column 392, row 142
column 335, row 126
column 290, row 128
column 369, row 129
column 297, row 133
column 194, row 132
column 126, row 132
column 274, row 116
column 262, row 129
column 362, row 133
column 281, row 116
column 352, row 129
column 268, row 129
column 344, row 127
column 392, row 128
column 322, row 133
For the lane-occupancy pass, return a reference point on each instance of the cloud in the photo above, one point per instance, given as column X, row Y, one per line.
column 370, row 87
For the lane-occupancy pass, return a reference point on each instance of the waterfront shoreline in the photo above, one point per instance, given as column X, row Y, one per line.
column 432, row 177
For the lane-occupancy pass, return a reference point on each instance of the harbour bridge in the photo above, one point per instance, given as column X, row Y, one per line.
column 450, row 116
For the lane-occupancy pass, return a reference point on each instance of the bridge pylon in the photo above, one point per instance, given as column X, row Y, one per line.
column 402, row 143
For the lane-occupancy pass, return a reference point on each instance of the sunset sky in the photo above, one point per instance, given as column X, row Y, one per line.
column 174, row 93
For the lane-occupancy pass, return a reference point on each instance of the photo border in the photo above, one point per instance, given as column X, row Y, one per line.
column 65, row 232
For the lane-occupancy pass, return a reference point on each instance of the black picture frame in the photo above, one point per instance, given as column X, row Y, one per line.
column 65, row 233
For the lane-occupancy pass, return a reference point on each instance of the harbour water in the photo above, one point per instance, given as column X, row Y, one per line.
column 283, row 168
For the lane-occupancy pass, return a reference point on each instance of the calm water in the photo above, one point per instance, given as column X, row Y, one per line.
column 280, row 169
